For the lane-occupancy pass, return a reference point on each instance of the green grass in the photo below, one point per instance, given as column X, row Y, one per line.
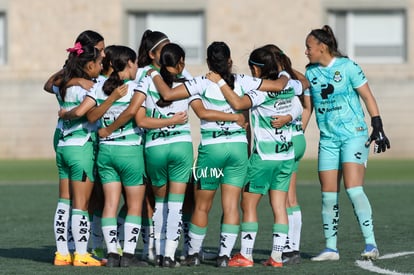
column 26, row 229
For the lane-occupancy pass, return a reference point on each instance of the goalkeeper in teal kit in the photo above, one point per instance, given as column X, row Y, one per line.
column 337, row 85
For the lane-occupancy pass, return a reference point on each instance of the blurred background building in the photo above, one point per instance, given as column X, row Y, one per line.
column 377, row 34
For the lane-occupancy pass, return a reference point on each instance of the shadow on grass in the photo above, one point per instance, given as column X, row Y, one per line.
column 43, row 254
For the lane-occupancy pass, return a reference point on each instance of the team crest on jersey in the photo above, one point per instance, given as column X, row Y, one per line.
column 337, row 76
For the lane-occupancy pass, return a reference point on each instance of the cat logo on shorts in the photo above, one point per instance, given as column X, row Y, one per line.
column 337, row 76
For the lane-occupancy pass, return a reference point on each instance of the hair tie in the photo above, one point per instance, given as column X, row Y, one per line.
column 156, row 44
column 76, row 49
column 255, row 63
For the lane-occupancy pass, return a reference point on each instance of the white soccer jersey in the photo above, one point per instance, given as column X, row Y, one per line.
column 271, row 143
column 128, row 134
column 165, row 135
column 215, row 132
column 75, row 132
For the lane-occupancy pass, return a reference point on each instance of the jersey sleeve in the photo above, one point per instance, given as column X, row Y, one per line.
column 256, row 97
column 142, row 86
column 297, row 86
column 196, row 85
column 356, row 75
column 248, row 83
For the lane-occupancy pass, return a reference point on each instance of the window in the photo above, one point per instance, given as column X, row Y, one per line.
column 183, row 28
column 371, row 36
column 3, row 49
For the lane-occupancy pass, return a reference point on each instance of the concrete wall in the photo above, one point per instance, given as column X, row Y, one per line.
column 40, row 31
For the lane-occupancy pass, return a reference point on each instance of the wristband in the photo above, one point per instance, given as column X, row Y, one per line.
column 154, row 73
column 221, row 83
column 284, row 73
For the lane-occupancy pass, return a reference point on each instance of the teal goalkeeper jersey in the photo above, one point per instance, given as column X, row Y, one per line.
column 337, row 104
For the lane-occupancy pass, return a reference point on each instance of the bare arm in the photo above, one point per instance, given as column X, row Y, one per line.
column 301, row 77
column 129, row 113
column 48, row 86
column 378, row 135
column 169, row 94
column 369, row 100
column 154, row 123
column 235, row 101
column 307, row 111
column 274, row 85
column 213, row 115
column 96, row 113
column 78, row 111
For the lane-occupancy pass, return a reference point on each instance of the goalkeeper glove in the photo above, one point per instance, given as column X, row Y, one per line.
column 381, row 141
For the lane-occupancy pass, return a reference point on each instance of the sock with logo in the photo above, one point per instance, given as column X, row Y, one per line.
column 60, row 226
column 280, row 232
column 109, row 230
column 363, row 212
column 80, row 230
column 132, row 227
column 174, row 224
column 228, row 237
column 330, row 218
column 248, row 237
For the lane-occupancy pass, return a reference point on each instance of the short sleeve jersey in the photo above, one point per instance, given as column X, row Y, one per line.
column 75, row 132
column 215, row 132
column 128, row 134
column 165, row 135
column 338, row 109
column 271, row 143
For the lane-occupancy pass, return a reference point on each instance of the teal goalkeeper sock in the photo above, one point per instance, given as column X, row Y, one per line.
column 363, row 212
column 330, row 218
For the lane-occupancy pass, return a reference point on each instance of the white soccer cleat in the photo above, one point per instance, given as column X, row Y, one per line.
column 326, row 255
column 370, row 253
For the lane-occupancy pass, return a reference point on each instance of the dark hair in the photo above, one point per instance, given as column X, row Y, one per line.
column 148, row 41
column 171, row 54
column 219, row 61
column 107, row 60
column 89, row 37
column 266, row 60
column 75, row 66
column 326, row 36
column 120, row 57
column 282, row 59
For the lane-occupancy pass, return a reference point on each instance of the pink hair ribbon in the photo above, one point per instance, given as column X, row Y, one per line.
column 77, row 48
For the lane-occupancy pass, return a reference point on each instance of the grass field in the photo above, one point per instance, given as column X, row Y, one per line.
column 28, row 194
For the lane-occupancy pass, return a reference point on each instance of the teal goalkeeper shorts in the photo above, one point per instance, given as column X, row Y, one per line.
column 333, row 153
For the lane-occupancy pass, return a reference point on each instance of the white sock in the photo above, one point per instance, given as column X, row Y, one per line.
column 196, row 235
column 132, row 227
column 160, row 223
column 109, row 231
column 288, row 246
column 174, row 226
column 228, row 237
column 80, row 230
column 279, row 240
column 247, row 244
column 60, row 226
column 297, row 228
